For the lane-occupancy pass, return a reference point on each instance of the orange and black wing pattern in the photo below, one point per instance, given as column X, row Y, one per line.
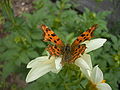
column 54, row 50
column 77, row 52
column 49, row 35
column 87, row 35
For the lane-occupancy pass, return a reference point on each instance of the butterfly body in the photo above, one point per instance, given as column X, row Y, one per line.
column 69, row 53
column 66, row 53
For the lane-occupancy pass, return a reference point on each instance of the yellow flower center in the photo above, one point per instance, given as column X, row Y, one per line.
column 91, row 86
column 103, row 81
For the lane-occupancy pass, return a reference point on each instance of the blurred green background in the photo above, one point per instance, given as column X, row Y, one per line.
column 21, row 41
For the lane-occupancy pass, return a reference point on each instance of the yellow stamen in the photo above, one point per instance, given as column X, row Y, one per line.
column 103, row 81
column 91, row 86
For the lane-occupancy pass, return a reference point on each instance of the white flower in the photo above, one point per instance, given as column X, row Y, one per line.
column 85, row 59
column 95, row 75
column 41, row 66
column 96, row 78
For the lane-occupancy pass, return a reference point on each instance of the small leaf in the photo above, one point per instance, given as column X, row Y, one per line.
column 7, row 69
column 39, row 44
column 114, row 38
column 24, row 58
column 32, row 54
column 36, row 36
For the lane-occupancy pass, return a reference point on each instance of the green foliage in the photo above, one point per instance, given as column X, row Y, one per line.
column 24, row 43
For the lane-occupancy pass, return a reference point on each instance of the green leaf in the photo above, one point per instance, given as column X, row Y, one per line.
column 8, row 68
column 23, row 57
column 39, row 44
column 36, row 36
column 32, row 54
column 9, row 54
column 114, row 38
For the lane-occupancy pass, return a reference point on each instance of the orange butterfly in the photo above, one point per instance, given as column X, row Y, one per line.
column 69, row 53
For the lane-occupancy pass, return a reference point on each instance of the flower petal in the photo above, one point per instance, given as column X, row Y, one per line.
column 94, row 44
column 87, row 59
column 58, row 63
column 96, row 75
column 40, row 66
column 36, row 61
column 38, row 71
column 86, row 70
column 104, row 86
column 54, row 70
column 82, row 63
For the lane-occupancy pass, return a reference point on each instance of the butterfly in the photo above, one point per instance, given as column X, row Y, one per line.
column 69, row 53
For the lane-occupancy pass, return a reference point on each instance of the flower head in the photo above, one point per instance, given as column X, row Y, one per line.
column 41, row 66
column 94, row 75
column 96, row 80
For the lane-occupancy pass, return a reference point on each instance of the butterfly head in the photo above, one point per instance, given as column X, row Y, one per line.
column 67, row 48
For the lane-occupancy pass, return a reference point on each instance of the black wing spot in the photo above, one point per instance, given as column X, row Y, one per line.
column 75, row 53
column 80, row 41
column 48, row 29
column 89, row 30
column 58, row 52
column 79, row 46
column 58, row 49
column 55, row 41
column 58, row 39
column 82, row 35
column 86, row 39
column 53, row 34
column 48, row 34
column 91, row 33
column 55, row 47
column 77, row 39
column 50, row 38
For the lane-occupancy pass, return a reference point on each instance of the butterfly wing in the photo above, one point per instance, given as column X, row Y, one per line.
column 49, row 35
column 84, row 36
column 77, row 52
column 54, row 50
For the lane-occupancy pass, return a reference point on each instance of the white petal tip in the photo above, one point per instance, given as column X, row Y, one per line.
column 104, row 86
column 94, row 44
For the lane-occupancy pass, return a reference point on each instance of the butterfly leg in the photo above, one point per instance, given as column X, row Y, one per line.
column 77, row 52
column 53, row 50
